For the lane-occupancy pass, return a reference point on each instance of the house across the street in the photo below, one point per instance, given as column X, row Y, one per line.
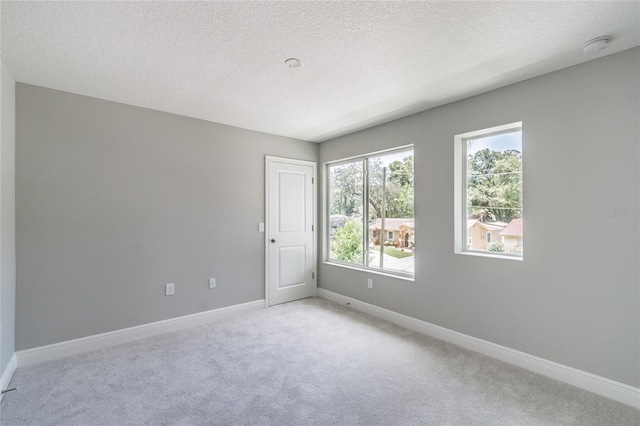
column 399, row 231
column 481, row 234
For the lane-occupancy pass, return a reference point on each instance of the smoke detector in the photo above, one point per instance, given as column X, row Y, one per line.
column 596, row 45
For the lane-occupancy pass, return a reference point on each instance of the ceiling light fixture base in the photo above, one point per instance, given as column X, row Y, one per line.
column 293, row 62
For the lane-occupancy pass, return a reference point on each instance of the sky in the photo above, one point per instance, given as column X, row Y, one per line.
column 501, row 142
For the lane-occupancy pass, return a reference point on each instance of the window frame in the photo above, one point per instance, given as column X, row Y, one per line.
column 461, row 239
column 365, row 190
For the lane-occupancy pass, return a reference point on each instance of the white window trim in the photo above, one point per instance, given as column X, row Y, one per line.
column 460, row 190
column 325, row 218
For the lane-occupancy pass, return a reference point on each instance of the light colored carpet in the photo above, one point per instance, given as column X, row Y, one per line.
column 307, row 362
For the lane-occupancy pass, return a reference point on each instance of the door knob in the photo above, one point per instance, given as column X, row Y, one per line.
column 273, row 240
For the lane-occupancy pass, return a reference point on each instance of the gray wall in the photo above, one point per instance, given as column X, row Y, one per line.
column 114, row 201
column 7, row 215
column 574, row 299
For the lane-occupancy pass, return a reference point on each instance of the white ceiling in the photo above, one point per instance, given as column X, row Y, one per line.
column 364, row 63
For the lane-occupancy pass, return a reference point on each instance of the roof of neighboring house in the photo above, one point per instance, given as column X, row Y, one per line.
column 489, row 226
column 392, row 224
column 503, row 224
column 514, row 228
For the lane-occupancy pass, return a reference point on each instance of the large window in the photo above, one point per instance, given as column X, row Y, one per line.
column 488, row 199
column 370, row 209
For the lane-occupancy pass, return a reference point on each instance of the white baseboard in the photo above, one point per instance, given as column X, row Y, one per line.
column 112, row 338
column 590, row 382
column 7, row 374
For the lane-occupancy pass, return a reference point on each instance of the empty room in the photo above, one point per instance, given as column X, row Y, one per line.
column 320, row 213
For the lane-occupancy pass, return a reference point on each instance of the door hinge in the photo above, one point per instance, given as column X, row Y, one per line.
column 312, row 228
column 311, row 181
column 313, row 275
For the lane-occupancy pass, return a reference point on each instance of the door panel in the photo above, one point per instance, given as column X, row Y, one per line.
column 291, row 205
column 292, row 265
column 290, row 231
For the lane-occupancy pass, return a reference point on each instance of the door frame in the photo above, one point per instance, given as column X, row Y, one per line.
column 268, row 159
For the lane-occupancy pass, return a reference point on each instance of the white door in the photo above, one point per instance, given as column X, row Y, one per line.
column 290, row 234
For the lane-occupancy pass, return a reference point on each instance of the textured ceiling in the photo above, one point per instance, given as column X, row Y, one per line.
column 364, row 63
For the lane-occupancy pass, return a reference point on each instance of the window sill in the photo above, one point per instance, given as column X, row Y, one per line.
column 400, row 276
column 490, row 255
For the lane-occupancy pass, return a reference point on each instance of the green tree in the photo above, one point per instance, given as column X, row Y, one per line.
column 402, row 171
column 399, row 194
column 347, row 243
column 346, row 188
column 494, row 185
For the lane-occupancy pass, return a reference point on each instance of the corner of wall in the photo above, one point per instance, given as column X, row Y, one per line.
column 7, row 223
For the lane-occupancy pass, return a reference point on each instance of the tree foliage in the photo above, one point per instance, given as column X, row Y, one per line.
column 399, row 193
column 494, row 185
column 346, row 188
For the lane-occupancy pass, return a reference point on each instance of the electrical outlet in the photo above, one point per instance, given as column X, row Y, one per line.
column 168, row 289
column 370, row 283
column 212, row 283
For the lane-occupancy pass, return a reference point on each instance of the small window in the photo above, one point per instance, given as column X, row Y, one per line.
column 370, row 212
column 488, row 192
